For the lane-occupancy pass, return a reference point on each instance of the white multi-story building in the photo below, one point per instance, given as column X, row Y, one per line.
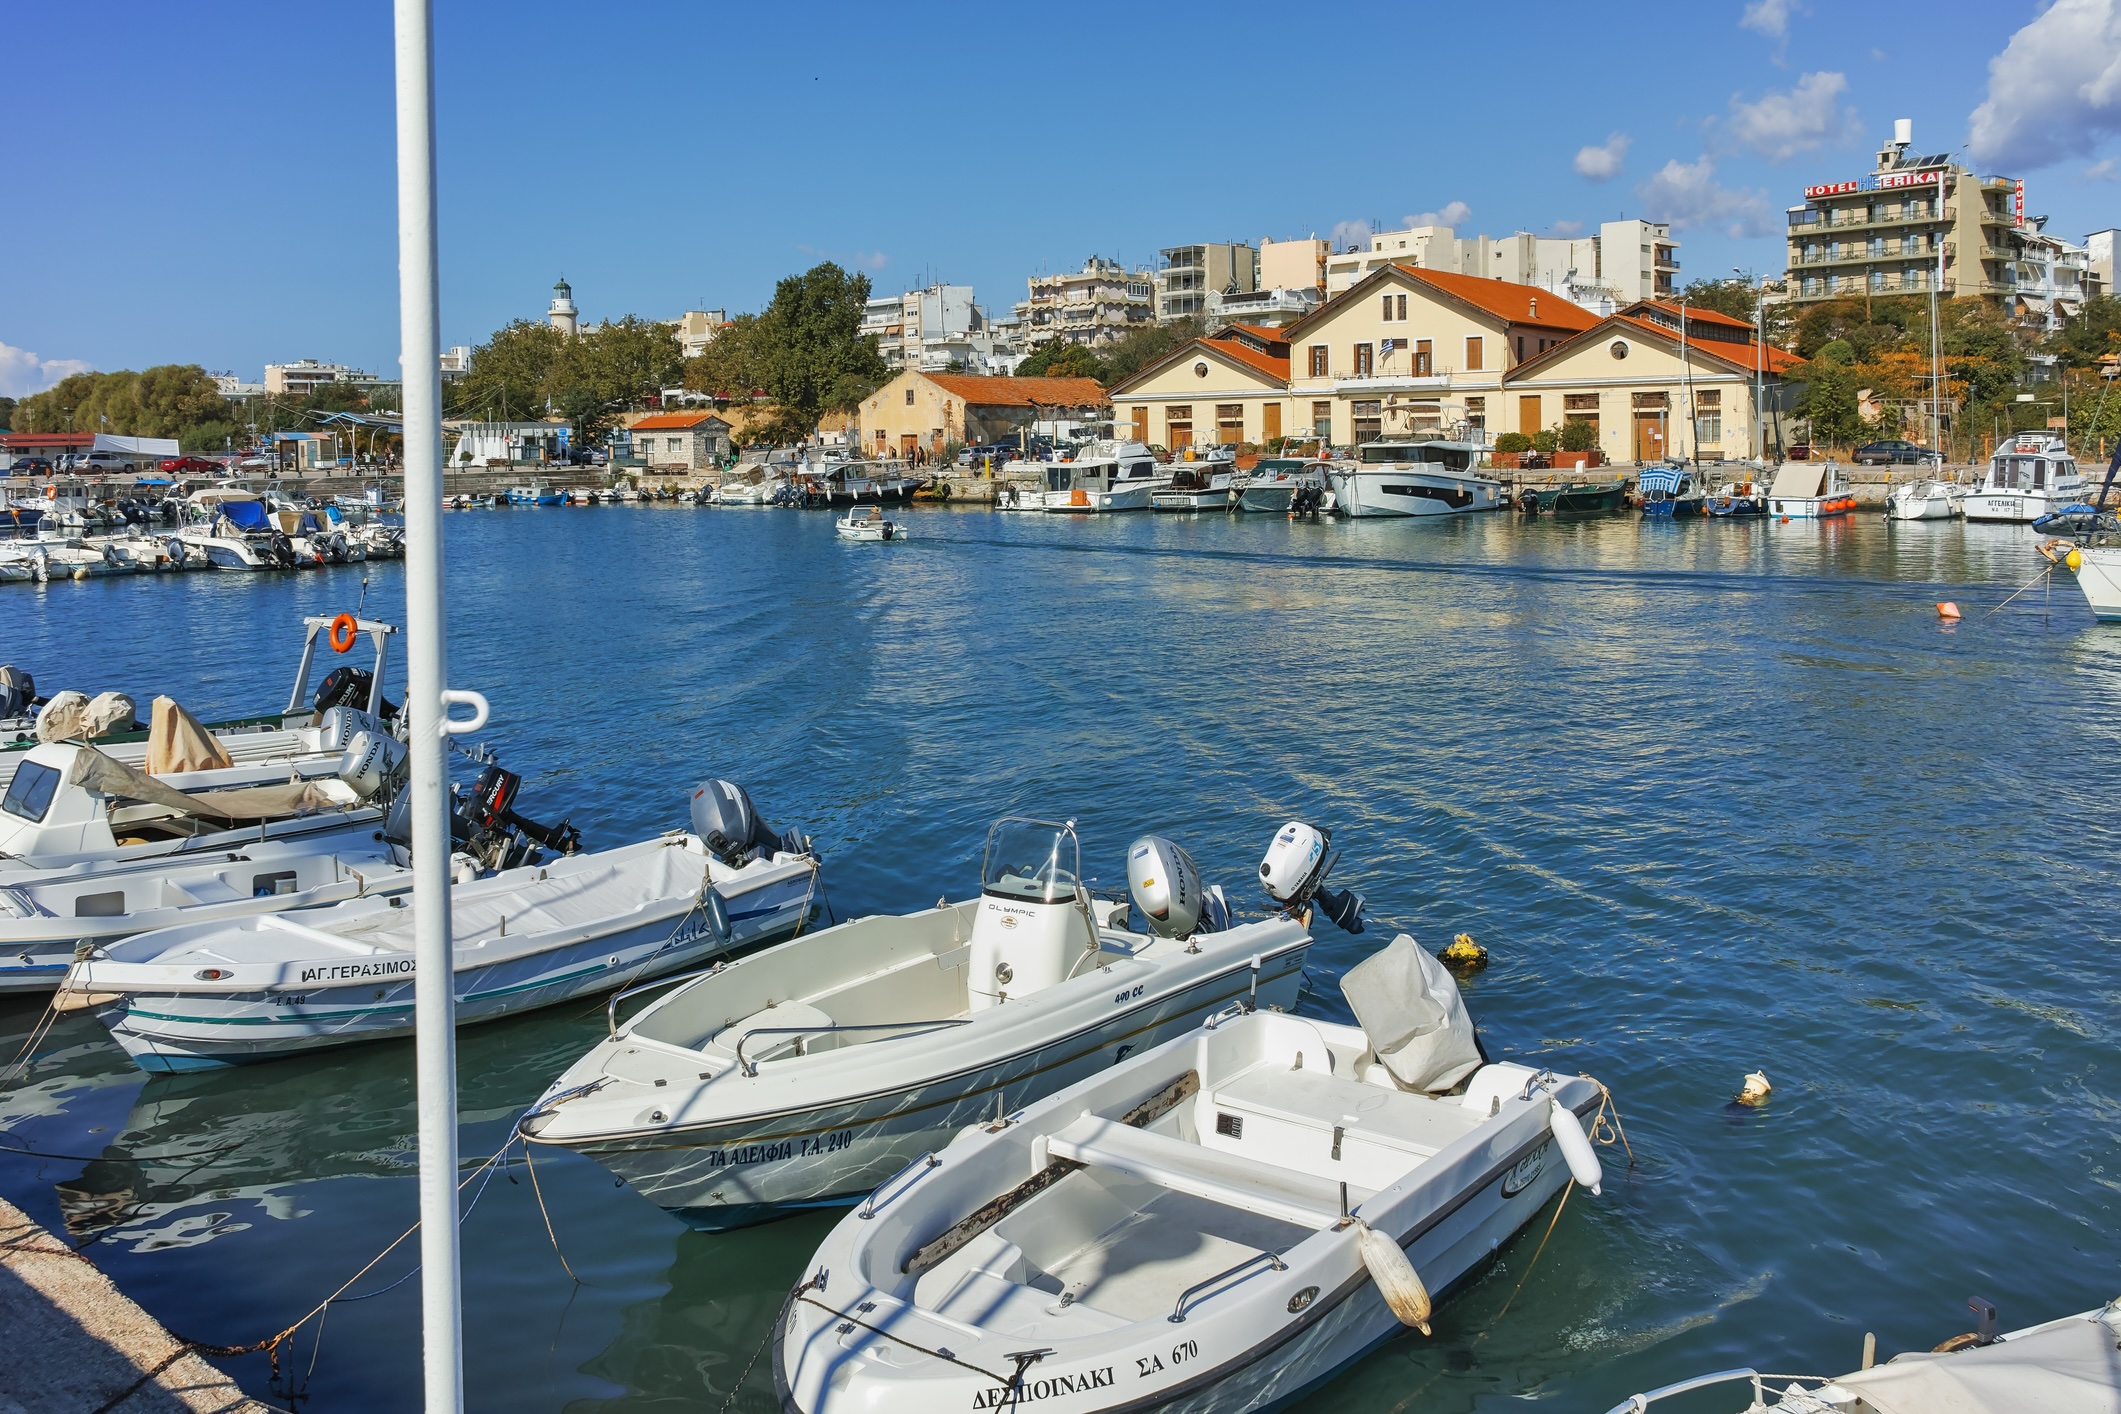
column 1097, row 305
column 1188, row 275
column 931, row 329
column 1626, row 261
column 305, row 375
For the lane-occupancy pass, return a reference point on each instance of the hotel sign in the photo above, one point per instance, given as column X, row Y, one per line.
column 1879, row 181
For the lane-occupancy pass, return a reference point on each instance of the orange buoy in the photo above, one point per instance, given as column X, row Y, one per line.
column 1948, row 611
column 344, row 630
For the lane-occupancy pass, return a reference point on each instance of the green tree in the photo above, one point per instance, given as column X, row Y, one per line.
column 811, row 357
column 1580, row 435
column 730, row 366
column 610, row 368
column 1057, row 358
column 508, row 373
column 1148, row 344
column 7, row 414
column 2095, row 332
column 1733, row 297
column 166, row 401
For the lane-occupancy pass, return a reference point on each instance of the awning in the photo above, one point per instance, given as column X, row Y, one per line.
column 1800, row 480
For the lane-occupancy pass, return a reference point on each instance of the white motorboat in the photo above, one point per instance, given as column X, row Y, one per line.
column 2085, row 540
column 1410, row 478
column 49, row 918
column 1926, row 499
column 2031, row 475
column 292, row 733
column 806, row 1074
column 1104, row 476
column 1810, row 491
column 845, row 481
column 868, row 524
column 2060, row 1367
column 528, row 935
column 1222, row 1223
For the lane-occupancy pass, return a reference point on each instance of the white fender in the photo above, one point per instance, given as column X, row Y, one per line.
column 1396, row 1278
column 1575, row 1145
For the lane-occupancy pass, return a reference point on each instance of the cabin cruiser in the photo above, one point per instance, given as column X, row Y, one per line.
column 1223, row 1222
column 1104, row 476
column 295, row 731
column 2031, row 474
column 1810, row 491
column 528, row 931
column 1403, row 477
column 536, row 493
column 230, row 530
column 854, row 482
column 1195, row 487
column 806, row 1074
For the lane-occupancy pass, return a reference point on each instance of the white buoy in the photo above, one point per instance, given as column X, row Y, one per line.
column 1756, row 1089
column 1575, row 1146
column 1396, row 1278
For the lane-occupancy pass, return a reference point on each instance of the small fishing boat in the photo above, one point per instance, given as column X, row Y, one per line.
column 1194, row 487
column 1670, row 491
column 537, row 493
column 529, row 934
column 1224, row 1222
column 2031, row 475
column 2060, row 1367
column 807, row 1074
column 1926, row 499
column 1577, row 498
column 1404, row 477
column 1810, row 491
column 868, row 524
column 1737, row 498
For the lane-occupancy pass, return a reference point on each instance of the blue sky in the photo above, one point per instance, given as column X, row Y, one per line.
column 213, row 184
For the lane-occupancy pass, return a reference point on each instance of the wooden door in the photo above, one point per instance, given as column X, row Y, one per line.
column 1270, row 421
column 907, row 445
column 1649, row 436
column 1528, row 421
column 1141, row 425
column 1181, row 435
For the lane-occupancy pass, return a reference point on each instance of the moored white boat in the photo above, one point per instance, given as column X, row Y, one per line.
column 1810, row 491
column 1104, row 476
column 529, row 935
column 2031, row 475
column 1410, row 478
column 1222, row 1223
column 1925, row 499
column 806, row 1074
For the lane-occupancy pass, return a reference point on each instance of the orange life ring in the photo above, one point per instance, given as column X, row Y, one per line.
column 344, row 630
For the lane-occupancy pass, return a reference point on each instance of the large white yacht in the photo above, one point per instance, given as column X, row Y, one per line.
column 2031, row 474
column 1404, row 477
column 1105, row 476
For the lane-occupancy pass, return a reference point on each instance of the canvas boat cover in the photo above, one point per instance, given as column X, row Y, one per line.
column 114, row 778
column 246, row 515
column 1413, row 1016
column 1800, row 480
column 109, row 712
column 64, row 717
column 1662, row 476
column 2067, row 1367
column 178, row 741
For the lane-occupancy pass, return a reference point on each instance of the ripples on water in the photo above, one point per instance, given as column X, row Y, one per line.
column 1717, row 796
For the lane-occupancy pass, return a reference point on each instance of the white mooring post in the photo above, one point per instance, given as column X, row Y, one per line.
column 428, row 702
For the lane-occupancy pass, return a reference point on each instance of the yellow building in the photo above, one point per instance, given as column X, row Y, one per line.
column 1625, row 375
column 924, row 412
column 1423, row 350
column 1231, row 387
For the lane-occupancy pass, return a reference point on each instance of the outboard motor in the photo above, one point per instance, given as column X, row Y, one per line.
column 348, row 686
column 18, row 691
column 1167, row 890
column 1294, row 874
column 283, row 549
column 374, row 763
column 731, row 827
column 486, row 826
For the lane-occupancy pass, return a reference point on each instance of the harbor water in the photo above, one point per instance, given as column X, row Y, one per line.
column 1718, row 796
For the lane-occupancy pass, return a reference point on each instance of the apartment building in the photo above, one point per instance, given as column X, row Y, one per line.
column 696, row 329
column 1294, row 265
column 305, row 375
column 1186, row 275
column 1625, row 261
column 1095, row 306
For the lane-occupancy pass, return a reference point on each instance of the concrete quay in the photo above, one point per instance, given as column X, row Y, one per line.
column 74, row 1344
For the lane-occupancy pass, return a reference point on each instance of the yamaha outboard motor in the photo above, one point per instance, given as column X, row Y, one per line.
column 1167, row 890
column 732, row 828
column 1294, row 875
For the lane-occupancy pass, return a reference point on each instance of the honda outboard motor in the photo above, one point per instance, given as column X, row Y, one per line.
column 1167, row 890
column 731, row 827
column 374, row 763
column 1294, row 874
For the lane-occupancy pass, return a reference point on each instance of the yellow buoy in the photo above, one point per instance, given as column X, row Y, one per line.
column 2074, row 559
column 1464, row 952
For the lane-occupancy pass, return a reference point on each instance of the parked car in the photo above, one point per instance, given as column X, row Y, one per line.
column 1893, row 452
column 190, row 466
column 977, row 456
column 1799, row 452
column 29, row 466
column 106, row 463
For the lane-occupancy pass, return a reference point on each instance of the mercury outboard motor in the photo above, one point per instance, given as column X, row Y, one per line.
column 485, row 824
column 1167, row 891
column 1294, row 874
column 731, row 827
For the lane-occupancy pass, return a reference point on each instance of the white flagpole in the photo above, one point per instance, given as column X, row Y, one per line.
column 441, row 1322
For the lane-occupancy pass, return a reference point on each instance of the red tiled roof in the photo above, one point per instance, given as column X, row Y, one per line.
column 982, row 391
column 672, row 422
column 1507, row 300
column 1697, row 315
column 1737, row 355
column 1273, row 365
column 1262, row 331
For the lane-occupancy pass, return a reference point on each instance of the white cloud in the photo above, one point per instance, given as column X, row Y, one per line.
column 2055, row 90
column 1351, row 234
column 1568, row 228
column 1808, row 117
column 1769, row 17
column 1602, row 163
column 1453, row 213
column 23, row 373
column 1687, row 194
column 2102, row 171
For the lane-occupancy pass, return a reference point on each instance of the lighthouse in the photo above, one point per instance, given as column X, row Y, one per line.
column 560, row 312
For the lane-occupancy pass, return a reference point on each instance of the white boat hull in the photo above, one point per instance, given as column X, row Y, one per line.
column 1921, row 500
column 1216, row 500
column 2098, row 574
column 1400, row 491
column 1083, row 501
column 2012, row 507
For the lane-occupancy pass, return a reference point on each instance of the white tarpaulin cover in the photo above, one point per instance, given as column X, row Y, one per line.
column 2067, row 1367
column 1410, row 1009
column 1800, row 480
column 64, row 717
column 176, row 741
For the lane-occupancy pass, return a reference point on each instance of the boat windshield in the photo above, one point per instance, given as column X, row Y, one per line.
column 1035, row 861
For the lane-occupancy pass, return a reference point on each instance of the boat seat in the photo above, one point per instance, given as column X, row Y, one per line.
column 1230, row 1179
column 1317, row 1099
column 774, row 1018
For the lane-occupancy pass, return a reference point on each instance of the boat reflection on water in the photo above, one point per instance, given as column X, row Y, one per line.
column 246, row 1140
